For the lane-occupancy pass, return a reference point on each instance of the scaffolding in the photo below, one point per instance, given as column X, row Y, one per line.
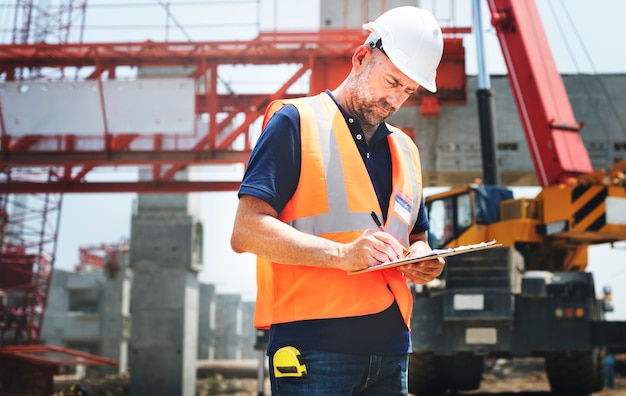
column 29, row 222
column 28, row 225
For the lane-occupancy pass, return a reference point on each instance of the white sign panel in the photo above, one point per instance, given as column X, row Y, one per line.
column 471, row 302
column 476, row 335
column 145, row 106
column 616, row 210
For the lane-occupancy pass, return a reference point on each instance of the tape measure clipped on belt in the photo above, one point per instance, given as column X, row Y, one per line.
column 288, row 363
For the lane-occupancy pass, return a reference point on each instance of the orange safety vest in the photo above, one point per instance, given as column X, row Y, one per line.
column 334, row 199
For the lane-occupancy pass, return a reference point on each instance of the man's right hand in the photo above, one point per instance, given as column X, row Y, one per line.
column 369, row 249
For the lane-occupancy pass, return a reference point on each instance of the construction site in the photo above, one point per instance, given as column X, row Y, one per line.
column 154, row 98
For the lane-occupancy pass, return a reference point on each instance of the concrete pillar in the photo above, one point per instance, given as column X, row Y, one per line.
column 165, row 256
column 228, row 330
column 115, row 316
column 206, row 322
column 353, row 13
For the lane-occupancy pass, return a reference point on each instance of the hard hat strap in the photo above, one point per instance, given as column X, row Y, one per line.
column 378, row 44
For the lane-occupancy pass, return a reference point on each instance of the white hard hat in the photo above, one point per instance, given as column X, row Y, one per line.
column 412, row 39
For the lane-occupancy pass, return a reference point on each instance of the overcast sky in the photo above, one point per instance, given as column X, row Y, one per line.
column 580, row 33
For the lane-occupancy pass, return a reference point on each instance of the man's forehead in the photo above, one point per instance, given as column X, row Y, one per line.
column 391, row 69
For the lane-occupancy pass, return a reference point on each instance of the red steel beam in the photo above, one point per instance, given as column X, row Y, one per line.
column 267, row 48
column 140, row 187
column 121, row 157
column 314, row 51
column 54, row 355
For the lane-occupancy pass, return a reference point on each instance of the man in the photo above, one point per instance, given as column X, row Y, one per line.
column 321, row 166
column 609, row 368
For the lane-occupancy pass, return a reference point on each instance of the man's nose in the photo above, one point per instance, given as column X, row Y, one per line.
column 396, row 99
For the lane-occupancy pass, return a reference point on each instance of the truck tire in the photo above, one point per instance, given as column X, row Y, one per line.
column 433, row 375
column 571, row 373
column 466, row 372
column 600, row 374
column 427, row 374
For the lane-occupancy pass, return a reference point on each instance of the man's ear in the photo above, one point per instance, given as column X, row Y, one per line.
column 361, row 54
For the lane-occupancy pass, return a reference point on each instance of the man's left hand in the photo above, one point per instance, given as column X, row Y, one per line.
column 424, row 271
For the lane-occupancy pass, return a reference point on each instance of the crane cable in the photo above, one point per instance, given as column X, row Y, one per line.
column 170, row 15
column 595, row 71
column 585, row 85
column 593, row 68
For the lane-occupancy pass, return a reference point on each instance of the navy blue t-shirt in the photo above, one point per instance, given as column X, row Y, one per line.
column 272, row 175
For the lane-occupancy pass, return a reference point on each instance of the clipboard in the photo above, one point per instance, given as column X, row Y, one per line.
column 436, row 253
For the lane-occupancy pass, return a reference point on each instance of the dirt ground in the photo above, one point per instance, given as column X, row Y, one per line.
column 525, row 379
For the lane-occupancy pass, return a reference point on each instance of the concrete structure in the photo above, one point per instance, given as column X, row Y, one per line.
column 206, row 322
column 90, row 312
column 450, row 144
column 348, row 13
column 165, row 256
column 236, row 332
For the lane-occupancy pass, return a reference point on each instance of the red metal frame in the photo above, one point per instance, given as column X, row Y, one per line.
column 57, row 23
column 551, row 129
column 30, row 369
column 103, row 257
column 54, row 355
column 319, row 53
column 27, row 250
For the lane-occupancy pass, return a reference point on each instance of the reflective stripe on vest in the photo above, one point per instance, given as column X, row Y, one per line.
column 334, row 199
column 339, row 218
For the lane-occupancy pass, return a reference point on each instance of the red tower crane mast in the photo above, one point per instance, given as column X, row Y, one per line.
column 27, row 250
column 28, row 234
column 29, row 222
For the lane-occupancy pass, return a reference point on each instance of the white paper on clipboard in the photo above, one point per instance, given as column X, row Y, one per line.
column 431, row 255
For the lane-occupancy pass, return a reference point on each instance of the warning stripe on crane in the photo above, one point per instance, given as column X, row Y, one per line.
column 589, row 203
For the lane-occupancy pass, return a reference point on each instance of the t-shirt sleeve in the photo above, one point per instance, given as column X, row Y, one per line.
column 421, row 224
column 273, row 169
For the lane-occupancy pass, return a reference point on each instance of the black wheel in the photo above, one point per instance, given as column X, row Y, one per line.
column 571, row 373
column 466, row 372
column 428, row 374
column 600, row 374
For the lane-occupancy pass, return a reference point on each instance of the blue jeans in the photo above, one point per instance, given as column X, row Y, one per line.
column 610, row 376
column 330, row 373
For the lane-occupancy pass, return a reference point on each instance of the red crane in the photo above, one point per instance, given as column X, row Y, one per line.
column 532, row 297
column 101, row 257
column 556, row 146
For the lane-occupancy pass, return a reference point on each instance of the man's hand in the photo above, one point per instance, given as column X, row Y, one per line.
column 424, row 271
column 371, row 248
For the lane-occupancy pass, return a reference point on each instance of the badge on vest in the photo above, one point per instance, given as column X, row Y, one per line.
column 402, row 206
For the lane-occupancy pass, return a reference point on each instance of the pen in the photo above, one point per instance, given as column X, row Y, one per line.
column 380, row 227
column 377, row 221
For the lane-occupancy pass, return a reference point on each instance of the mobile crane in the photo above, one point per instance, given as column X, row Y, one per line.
column 531, row 297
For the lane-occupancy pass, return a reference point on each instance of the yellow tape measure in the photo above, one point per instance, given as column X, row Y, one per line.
column 288, row 363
